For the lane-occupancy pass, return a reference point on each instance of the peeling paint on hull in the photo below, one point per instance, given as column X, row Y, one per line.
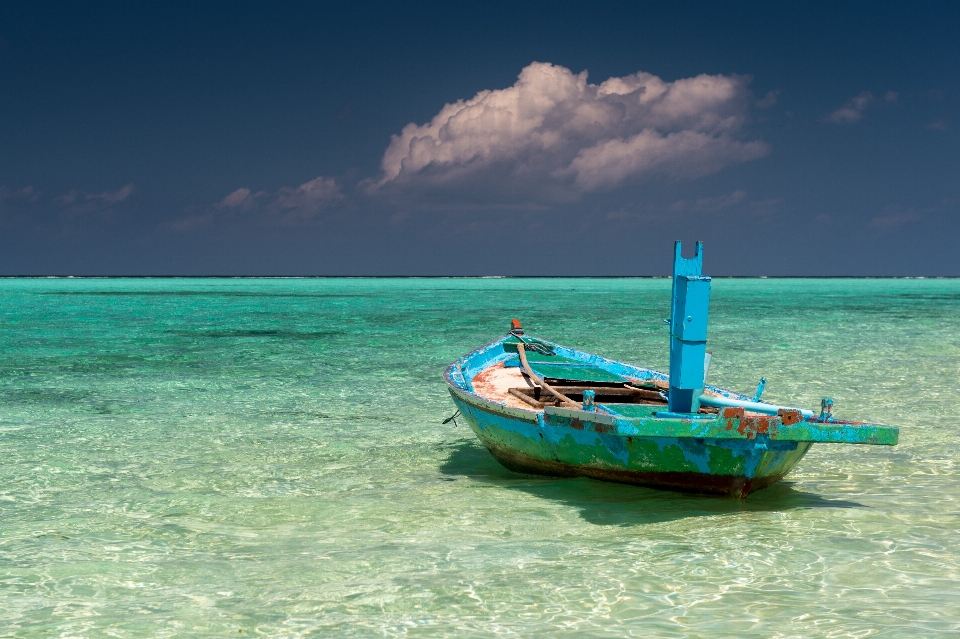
column 732, row 468
column 734, row 486
column 730, row 453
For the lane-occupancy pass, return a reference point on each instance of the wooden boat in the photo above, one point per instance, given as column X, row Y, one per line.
column 547, row 409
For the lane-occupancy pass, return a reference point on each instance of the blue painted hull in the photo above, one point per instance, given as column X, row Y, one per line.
column 670, row 463
column 728, row 453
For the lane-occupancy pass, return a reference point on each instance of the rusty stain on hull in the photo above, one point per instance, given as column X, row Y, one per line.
column 729, row 451
column 735, row 486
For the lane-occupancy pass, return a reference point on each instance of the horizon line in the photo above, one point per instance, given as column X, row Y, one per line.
column 468, row 277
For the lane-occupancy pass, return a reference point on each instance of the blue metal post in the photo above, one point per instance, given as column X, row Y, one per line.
column 589, row 400
column 760, row 387
column 688, row 331
column 826, row 410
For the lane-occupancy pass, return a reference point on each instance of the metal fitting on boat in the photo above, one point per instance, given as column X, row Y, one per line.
column 760, row 387
column 826, row 410
column 588, row 400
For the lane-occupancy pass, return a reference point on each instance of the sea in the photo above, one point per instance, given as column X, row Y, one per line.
column 271, row 458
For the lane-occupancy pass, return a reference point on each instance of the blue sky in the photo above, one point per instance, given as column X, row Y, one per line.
column 492, row 139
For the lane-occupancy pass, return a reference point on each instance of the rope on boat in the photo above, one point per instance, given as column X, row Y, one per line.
column 521, row 350
column 452, row 418
column 534, row 345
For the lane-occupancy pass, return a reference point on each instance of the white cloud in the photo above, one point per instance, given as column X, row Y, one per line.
column 69, row 197
column 686, row 153
column 235, row 199
column 306, row 199
column 310, row 196
column 72, row 198
column 852, row 111
column 91, row 201
column 553, row 131
column 768, row 100
column 76, row 205
column 72, row 209
column 25, row 194
column 894, row 217
column 284, row 206
column 113, row 197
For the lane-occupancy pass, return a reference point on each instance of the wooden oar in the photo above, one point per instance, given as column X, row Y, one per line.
column 526, row 369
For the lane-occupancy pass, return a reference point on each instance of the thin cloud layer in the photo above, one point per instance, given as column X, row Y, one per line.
column 768, row 101
column 71, row 207
column 107, row 198
column 288, row 205
column 554, row 131
column 852, row 111
column 25, row 194
column 303, row 201
column 893, row 217
column 235, row 199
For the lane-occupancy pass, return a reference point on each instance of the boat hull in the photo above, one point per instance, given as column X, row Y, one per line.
column 522, row 441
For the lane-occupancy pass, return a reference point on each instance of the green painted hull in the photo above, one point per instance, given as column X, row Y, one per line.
column 728, row 467
column 729, row 453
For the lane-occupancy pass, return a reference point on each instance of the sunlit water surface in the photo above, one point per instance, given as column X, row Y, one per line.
column 266, row 457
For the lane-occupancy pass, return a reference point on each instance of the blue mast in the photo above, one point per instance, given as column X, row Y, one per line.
column 688, row 331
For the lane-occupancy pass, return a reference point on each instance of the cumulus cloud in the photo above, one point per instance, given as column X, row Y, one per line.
column 554, row 131
column 852, row 111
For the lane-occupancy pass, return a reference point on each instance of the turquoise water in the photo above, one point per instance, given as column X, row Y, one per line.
column 266, row 457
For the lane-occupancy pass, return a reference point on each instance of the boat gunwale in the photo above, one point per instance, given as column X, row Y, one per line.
column 653, row 373
column 623, row 424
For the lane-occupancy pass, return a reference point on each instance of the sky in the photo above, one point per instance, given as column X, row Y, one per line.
column 560, row 139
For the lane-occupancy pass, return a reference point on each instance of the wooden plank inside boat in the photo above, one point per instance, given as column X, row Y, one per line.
column 622, row 394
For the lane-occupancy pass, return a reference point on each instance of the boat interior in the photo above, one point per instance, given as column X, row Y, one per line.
column 508, row 382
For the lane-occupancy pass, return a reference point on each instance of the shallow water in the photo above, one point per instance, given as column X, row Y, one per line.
column 266, row 457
